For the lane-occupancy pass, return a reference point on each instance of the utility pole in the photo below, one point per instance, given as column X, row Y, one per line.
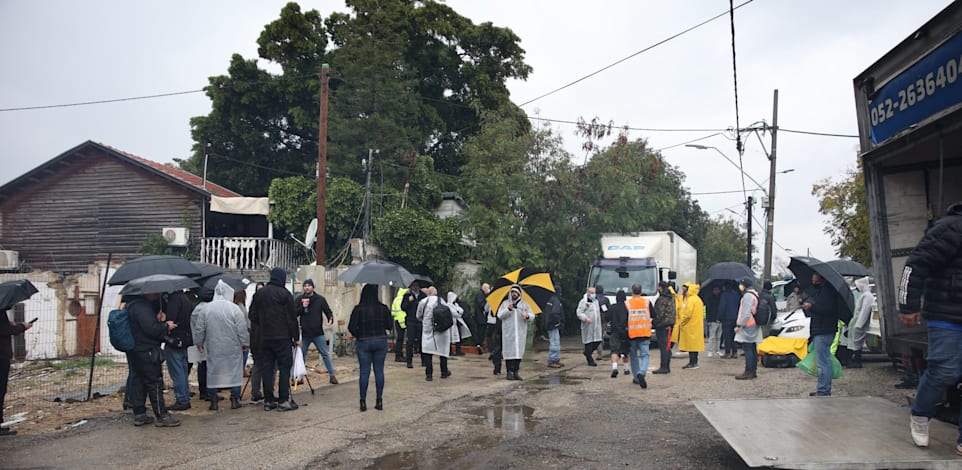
column 770, row 207
column 322, row 169
column 748, row 205
column 367, row 196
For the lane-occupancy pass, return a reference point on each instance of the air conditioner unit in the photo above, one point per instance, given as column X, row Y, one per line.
column 9, row 259
column 176, row 236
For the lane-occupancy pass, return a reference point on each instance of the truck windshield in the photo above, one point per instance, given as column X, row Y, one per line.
column 609, row 278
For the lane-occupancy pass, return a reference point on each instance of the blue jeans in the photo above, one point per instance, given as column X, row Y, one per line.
column 943, row 370
column 554, row 345
column 823, row 361
column 751, row 357
column 639, row 348
column 321, row 344
column 371, row 352
column 177, row 368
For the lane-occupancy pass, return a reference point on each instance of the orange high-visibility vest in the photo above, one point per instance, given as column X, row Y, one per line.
column 639, row 318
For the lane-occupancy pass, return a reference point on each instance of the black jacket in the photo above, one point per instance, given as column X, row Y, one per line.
column 147, row 331
column 554, row 313
column 934, row 271
column 824, row 312
column 179, row 308
column 410, row 307
column 273, row 313
column 712, row 303
column 769, row 298
column 7, row 332
column 370, row 321
column 312, row 317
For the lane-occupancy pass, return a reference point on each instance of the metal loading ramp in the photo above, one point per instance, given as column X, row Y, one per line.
column 828, row 433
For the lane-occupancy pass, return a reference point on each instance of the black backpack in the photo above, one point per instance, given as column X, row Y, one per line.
column 763, row 310
column 443, row 321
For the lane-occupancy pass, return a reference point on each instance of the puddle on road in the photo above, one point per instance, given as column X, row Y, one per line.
column 513, row 420
column 441, row 457
column 556, row 380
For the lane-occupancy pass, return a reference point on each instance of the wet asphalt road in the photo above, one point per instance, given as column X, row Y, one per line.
column 575, row 417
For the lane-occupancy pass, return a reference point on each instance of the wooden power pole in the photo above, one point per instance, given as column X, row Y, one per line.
column 770, row 206
column 322, row 170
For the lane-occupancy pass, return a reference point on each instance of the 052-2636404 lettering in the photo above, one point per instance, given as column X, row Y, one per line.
column 946, row 74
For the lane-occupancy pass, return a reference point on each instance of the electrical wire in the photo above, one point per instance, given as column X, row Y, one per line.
column 646, row 49
column 738, row 135
column 822, row 134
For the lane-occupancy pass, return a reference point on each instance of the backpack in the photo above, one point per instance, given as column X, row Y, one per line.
column 118, row 324
column 763, row 311
column 441, row 316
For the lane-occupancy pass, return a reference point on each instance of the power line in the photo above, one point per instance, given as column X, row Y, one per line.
column 644, row 129
column 716, row 192
column 688, row 142
column 116, row 100
column 669, row 38
column 823, row 134
column 738, row 134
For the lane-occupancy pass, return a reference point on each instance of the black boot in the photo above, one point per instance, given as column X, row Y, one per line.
column 591, row 360
column 379, row 405
column 497, row 367
column 856, row 361
column 457, row 350
column 234, row 403
column 363, row 405
column 213, row 402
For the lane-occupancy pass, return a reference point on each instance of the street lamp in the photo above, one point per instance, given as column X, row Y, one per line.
column 706, row 147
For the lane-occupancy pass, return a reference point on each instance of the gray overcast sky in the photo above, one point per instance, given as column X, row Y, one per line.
column 64, row 51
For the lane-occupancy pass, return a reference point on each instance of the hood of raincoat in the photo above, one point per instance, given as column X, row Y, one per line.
column 862, row 284
column 278, row 276
column 452, row 297
column 692, row 289
column 223, row 292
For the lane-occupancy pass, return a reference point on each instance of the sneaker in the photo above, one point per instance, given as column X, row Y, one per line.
column 710, row 354
column 614, row 373
column 179, row 406
column 690, row 366
column 920, row 431
column 167, row 421
column 141, row 420
column 256, row 399
column 288, row 405
column 626, row 372
column 333, row 380
column 641, row 381
column 445, row 375
column 269, row 405
column 661, row 371
column 555, row 365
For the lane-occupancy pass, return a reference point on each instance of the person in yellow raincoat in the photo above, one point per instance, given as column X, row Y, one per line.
column 399, row 315
column 690, row 327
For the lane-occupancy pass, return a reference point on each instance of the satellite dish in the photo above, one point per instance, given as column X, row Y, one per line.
column 311, row 237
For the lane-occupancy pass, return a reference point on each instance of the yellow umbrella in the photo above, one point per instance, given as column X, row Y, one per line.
column 536, row 289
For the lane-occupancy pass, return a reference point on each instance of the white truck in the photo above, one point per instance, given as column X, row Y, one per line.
column 643, row 258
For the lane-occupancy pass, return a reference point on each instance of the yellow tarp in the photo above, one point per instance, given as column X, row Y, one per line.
column 776, row 345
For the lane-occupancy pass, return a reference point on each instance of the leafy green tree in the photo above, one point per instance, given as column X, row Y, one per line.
column 295, row 205
column 422, row 242
column 843, row 202
column 724, row 240
column 408, row 77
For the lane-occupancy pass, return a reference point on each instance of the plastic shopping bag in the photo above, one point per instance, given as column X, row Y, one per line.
column 808, row 364
column 298, row 370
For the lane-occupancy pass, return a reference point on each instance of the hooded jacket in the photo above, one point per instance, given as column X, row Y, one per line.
column 273, row 312
column 665, row 306
column 934, row 271
column 554, row 313
column 863, row 306
column 221, row 330
column 691, row 321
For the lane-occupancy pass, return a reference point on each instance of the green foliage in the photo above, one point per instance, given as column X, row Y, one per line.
column 295, row 205
column 843, row 202
column 156, row 244
column 406, row 78
column 421, row 241
column 724, row 241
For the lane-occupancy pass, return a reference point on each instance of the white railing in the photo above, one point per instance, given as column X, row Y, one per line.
column 246, row 254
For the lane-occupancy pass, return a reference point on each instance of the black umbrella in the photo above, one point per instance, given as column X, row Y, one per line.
column 722, row 273
column 423, row 280
column 377, row 272
column 157, row 284
column 206, row 270
column 153, row 264
column 234, row 281
column 847, row 267
column 14, row 292
column 804, row 266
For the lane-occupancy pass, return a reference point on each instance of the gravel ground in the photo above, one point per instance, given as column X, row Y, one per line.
column 579, row 417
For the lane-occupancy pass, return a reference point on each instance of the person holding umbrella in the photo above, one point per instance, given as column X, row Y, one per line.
column 8, row 330
column 149, row 327
column 514, row 314
column 821, row 306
